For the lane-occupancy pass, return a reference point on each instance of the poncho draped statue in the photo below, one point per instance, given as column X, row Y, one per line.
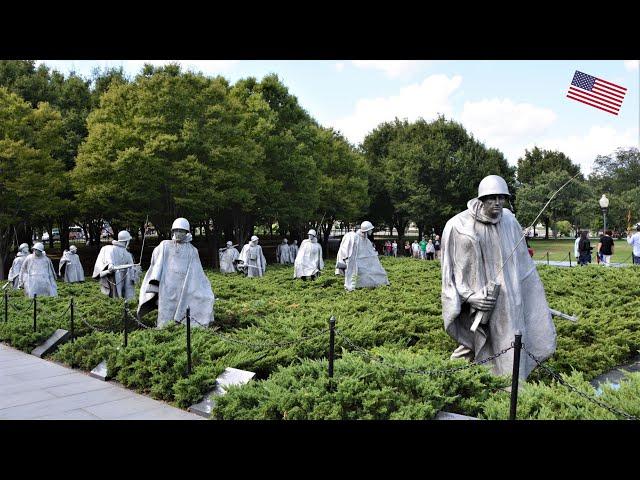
column 70, row 268
column 174, row 281
column 474, row 247
column 309, row 261
column 121, row 283
column 14, row 271
column 363, row 268
column 254, row 260
column 38, row 277
column 227, row 257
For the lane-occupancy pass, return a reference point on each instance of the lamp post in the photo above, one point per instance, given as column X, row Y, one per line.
column 604, row 206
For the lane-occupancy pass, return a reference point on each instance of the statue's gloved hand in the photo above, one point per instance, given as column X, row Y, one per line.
column 481, row 301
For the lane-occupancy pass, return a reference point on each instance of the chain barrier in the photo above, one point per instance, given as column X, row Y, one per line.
column 138, row 322
column 613, row 410
column 95, row 329
column 117, row 284
column 380, row 359
column 270, row 345
column 22, row 309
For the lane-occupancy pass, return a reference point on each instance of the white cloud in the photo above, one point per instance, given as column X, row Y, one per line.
column 392, row 68
column 632, row 65
column 339, row 67
column 583, row 149
column 426, row 100
column 504, row 124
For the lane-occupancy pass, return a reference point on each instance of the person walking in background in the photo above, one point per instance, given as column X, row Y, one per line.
column 436, row 246
column 394, row 248
column 415, row 248
column 634, row 241
column 576, row 252
column 584, row 249
column 387, row 248
column 423, row 249
column 407, row 248
column 430, row 250
column 605, row 248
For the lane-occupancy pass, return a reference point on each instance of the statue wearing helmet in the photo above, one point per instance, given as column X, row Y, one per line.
column 115, row 270
column 283, row 253
column 293, row 248
column 308, row 262
column 358, row 260
column 485, row 298
column 176, row 281
column 14, row 271
column 228, row 258
column 70, row 268
column 251, row 260
column 37, row 275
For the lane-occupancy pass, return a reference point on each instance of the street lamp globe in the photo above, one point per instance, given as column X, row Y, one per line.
column 604, row 201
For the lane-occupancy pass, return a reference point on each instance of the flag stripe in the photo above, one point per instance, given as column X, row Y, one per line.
column 612, row 97
column 606, row 88
column 612, row 84
column 596, row 92
column 569, row 96
column 594, row 98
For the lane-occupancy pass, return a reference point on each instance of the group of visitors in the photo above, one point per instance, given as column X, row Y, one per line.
column 605, row 249
column 426, row 249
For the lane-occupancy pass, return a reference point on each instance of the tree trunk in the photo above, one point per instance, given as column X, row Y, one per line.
column 64, row 234
column 546, row 229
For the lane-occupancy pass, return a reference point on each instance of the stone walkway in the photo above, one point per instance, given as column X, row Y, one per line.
column 31, row 388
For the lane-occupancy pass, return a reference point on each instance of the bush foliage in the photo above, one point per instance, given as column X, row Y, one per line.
column 403, row 320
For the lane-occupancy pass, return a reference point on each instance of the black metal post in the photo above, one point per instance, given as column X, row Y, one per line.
column 72, row 329
column 515, row 375
column 6, row 307
column 124, row 320
column 188, row 341
column 332, row 339
column 35, row 303
column 569, row 258
column 547, row 258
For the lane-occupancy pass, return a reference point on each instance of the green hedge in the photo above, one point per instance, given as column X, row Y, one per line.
column 405, row 316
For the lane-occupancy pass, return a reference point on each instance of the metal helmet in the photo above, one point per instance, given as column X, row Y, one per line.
column 181, row 224
column 366, row 226
column 254, row 238
column 23, row 246
column 312, row 232
column 38, row 246
column 493, row 185
column 73, row 248
column 124, row 236
column 229, row 243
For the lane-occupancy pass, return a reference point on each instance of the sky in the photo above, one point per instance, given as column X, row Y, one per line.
column 511, row 105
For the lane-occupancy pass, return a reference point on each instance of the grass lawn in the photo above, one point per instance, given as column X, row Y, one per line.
column 559, row 249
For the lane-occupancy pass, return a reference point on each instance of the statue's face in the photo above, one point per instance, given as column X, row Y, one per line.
column 38, row 253
column 25, row 250
column 492, row 205
column 179, row 234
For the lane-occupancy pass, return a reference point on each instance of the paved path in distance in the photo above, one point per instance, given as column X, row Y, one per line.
column 32, row 388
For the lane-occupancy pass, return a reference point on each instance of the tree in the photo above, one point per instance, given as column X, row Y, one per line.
column 30, row 176
column 426, row 171
column 534, row 169
column 618, row 176
column 539, row 161
column 532, row 198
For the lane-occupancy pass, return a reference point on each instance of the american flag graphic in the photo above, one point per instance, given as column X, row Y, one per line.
column 596, row 92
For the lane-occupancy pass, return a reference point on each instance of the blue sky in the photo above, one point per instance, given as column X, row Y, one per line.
column 507, row 104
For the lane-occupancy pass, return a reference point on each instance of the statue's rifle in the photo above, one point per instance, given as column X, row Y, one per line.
column 493, row 288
